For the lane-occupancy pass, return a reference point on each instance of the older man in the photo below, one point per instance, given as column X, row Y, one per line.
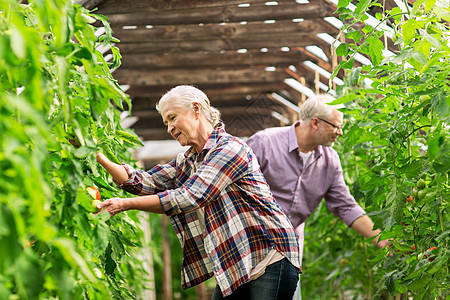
column 302, row 169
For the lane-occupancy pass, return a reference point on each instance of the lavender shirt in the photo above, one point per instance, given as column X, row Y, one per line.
column 299, row 188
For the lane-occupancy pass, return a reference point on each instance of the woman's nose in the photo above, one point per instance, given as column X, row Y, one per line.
column 169, row 128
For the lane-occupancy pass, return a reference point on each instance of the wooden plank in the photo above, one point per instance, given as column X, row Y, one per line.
column 230, row 111
column 270, row 42
column 173, row 77
column 225, row 31
column 127, row 6
column 222, row 101
column 89, row 4
column 213, row 91
column 257, row 12
column 152, row 134
column 217, row 59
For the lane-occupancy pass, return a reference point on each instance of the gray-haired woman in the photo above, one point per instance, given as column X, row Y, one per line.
column 220, row 205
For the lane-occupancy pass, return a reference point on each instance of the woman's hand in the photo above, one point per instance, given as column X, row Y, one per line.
column 117, row 171
column 113, row 205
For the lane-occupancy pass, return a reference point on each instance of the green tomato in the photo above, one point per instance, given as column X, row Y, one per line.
column 421, row 194
column 421, row 183
column 415, row 193
column 94, row 205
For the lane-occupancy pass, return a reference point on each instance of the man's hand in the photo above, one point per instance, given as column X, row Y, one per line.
column 383, row 243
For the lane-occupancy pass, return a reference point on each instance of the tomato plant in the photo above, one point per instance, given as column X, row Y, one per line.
column 395, row 145
column 59, row 105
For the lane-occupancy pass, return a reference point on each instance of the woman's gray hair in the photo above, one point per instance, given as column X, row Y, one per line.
column 184, row 96
column 317, row 106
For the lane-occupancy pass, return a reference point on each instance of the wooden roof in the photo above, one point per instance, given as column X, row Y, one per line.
column 240, row 53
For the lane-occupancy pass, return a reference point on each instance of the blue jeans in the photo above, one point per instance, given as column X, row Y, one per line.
column 279, row 281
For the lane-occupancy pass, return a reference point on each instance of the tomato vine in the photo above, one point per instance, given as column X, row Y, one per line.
column 59, row 105
column 397, row 136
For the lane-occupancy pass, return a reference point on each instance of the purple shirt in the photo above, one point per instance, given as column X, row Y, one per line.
column 299, row 188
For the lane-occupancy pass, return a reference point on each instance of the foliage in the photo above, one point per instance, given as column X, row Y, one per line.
column 57, row 91
column 396, row 145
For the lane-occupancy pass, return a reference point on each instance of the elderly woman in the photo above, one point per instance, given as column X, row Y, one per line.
column 220, row 205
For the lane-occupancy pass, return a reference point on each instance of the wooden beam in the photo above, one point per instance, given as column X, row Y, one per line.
column 89, row 4
column 259, row 42
column 230, row 111
column 221, row 31
column 176, row 77
column 127, row 6
column 152, row 134
column 256, row 12
column 201, row 59
column 211, row 90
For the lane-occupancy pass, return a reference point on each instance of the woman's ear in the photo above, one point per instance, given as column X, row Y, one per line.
column 196, row 108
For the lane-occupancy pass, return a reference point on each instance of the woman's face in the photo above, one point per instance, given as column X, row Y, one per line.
column 181, row 122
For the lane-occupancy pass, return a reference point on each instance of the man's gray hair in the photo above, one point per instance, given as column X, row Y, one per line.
column 185, row 96
column 316, row 106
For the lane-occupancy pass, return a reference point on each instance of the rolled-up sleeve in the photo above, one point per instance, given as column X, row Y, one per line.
column 157, row 179
column 223, row 165
column 339, row 200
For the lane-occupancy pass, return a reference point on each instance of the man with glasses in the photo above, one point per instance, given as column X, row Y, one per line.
column 302, row 169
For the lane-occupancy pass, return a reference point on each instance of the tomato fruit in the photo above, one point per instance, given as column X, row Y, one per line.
column 94, row 192
column 421, row 183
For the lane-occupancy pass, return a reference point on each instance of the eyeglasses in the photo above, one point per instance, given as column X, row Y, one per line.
column 335, row 127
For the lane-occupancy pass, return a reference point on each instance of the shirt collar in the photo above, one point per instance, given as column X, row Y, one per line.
column 219, row 130
column 292, row 137
column 293, row 145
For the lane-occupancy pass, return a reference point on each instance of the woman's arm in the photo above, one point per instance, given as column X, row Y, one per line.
column 150, row 203
column 117, row 171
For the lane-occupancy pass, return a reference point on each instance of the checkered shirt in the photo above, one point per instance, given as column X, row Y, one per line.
column 221, row 209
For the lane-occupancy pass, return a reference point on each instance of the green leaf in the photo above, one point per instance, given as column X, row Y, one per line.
column 420, row 58
column 342, row 49
column 440, row 103
column 82, row 151
column 375, row 49
column 18, row 44
column 129, row 138
column 362, row 7
column 102, row 183
column 419, row 283
column 409, row 30
column 75, row 260
column 434, row 146
column 344, row 99
column 442, row 12
column 412, row 169
column 27, row 272
column 354, row 35
column 433, row 41
column 343, row 3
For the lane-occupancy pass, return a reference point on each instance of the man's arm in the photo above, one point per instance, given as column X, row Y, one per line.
column 364, row 226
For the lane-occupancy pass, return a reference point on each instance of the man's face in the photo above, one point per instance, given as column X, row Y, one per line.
column 328, row 133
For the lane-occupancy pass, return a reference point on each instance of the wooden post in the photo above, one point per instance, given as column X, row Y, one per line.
column 201, row 291
column 316, row 82
column 167, row 274
column 334, row 63
column 303, row 81
column 149, row 292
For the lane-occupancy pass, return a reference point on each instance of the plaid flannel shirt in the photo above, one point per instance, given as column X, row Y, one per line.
column 241, row 222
